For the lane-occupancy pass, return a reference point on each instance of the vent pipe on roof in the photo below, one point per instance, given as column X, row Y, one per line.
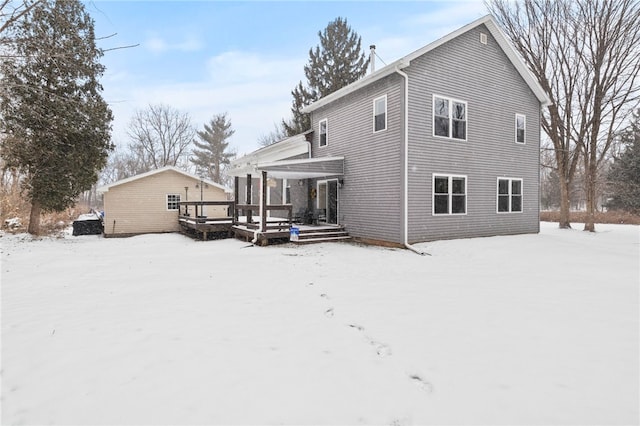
column 372, row 58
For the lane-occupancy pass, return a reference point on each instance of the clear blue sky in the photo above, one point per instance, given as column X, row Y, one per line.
column 244, row 57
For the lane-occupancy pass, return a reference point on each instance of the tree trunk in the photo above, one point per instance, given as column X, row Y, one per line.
column 590, row 191
column 565, row 219
column 34, row 218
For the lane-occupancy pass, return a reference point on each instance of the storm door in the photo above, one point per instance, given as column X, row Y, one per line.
column 328, row 201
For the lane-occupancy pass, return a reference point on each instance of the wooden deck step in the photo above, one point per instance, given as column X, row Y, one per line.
column 324, row 234
column 322, row 239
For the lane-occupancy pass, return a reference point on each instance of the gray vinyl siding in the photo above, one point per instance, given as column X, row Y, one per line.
column 482, row 76
column 369, row 200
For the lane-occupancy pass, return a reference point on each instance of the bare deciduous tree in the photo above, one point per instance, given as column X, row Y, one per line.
column 585, row 55
column 161, row 136
column 122, row 164
column 538, row 32
column 609, row 51
column 276, row 135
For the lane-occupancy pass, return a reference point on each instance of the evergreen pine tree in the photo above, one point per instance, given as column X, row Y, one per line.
column 51, row 108
column 337, row 62
column 299, row 122
column 211, row 153
column 624, row 175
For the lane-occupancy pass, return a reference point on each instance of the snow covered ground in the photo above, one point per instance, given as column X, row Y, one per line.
column 161, row 329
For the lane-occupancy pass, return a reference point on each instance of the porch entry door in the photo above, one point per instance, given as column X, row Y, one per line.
column 328, row 201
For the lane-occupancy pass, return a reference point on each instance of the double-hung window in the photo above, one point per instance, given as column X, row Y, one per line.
column 172, row 201
column 449, row 118
column 509, row 195
column 380, row 113
column 323, row 132
column 521, row 124
column 449, row 194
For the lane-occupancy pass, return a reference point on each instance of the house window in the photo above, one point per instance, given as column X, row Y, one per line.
column 172, row 201
column 521, row 124
column 380, row 113
column 509, row 195
column 286, row 191
column 323, row 132
column 449, row 118
column 449, row 194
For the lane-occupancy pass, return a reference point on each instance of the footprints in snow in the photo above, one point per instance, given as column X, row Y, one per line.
column 421, row 383
column 381, row 349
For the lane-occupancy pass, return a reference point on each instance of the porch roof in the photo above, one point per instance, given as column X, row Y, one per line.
column 294, row 146
column 304, row 168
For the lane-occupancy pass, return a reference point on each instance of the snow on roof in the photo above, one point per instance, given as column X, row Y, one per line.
column 106, row 188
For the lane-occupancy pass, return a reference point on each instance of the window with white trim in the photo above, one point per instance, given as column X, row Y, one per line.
column 380, row 114
column 449, row 118
column 521, row 124
column 172, row 201
column 323, row 132
column 509, row 195
column 449, row 194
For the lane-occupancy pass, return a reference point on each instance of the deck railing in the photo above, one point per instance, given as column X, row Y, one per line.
column 200, row 217
column 266, row 223
column 250, row 218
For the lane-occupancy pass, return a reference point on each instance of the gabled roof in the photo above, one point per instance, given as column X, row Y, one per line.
column 106, row 188
column 286, row 148
column 405, row 61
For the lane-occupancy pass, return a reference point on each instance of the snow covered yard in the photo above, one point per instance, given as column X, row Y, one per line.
column 161, row 329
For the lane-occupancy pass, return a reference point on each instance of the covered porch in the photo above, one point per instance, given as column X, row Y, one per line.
column 281, row 185
column 314, row 203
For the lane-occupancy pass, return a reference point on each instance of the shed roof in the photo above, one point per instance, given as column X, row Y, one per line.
column 405, row 61
column 106, row 188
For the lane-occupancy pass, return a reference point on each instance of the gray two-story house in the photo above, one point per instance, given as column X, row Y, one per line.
column 443, row 143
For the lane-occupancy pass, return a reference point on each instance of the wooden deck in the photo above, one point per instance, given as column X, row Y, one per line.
column 203, row 227
column 251, row 227
column 307, row 234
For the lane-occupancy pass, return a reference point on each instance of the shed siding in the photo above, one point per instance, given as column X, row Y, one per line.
column 140, row 206
column 482, row 76
column 370, row 196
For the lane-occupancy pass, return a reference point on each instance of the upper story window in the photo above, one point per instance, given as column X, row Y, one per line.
column 521, row 124
column 449, row 118
column 509, row 195
column 380, row 113
column 172, row 201
column 449, row 194
column 323, row 132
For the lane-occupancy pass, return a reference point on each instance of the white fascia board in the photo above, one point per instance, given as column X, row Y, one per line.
column 105, row 188
column 517, row 61
column 404, row 62
column 300, row 161
column 285, row 174
column 365, row 81
column 295, row 145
